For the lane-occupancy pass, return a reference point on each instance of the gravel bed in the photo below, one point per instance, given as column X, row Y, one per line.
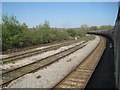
column 35, row 57
column 48, row 77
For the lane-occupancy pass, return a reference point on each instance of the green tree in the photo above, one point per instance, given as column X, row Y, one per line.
column 24, row 26
column 93, row 28
column 106, row 27
column 71, row 32
column 11, row 31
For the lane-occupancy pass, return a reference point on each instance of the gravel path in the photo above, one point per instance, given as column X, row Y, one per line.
column 48, row 77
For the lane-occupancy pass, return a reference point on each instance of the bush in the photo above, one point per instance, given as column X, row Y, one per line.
column 15, row 35
column 75, row 33
column 11, row 31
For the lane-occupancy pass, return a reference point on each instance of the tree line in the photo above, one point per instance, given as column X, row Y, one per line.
column 16, row 35
column 95, row 28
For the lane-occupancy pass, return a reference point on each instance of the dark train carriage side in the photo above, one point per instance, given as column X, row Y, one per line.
column 114, row 35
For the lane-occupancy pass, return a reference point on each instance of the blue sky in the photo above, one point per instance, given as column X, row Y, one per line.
column 63, row 14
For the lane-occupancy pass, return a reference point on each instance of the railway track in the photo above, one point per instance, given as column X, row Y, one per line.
column 7, row 70
column 31, row 47
column 82, row 73
column 16, row 57
column 8, row 76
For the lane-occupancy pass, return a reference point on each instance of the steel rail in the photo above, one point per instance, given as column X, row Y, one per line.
column 79, row 77
column 34, row 52
column 21, row 71
column 30, row 47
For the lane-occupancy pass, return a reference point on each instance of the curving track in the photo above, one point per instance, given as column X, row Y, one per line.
column 104, row 76
column 29, row 52
column 81, row 75
column 11, row 75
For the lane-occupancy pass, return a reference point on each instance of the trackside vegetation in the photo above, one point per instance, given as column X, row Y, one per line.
column 16, row 35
